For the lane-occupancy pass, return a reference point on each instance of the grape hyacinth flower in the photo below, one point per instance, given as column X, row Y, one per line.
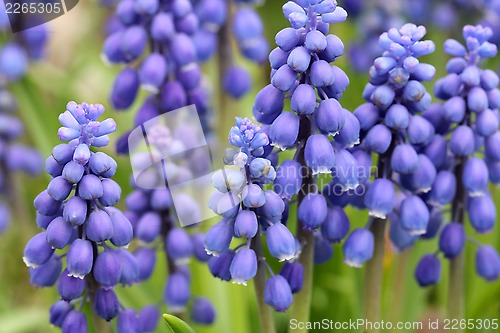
column 156, row 222
column 394, row 129
column 80, row 223
column 248, row 211
column 301, row 72
column 469, row 123
column 16, row 55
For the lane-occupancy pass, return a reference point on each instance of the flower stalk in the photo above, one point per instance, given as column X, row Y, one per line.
column 375, row 267
column 301, row 308
column 265, row 311
column 374, row 275
column 456, row 298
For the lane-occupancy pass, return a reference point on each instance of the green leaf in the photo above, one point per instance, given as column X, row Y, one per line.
column 177, row 325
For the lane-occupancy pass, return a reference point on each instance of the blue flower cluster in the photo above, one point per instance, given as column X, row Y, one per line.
column 248, row 210
column 154, row 220
column 77, row 215
column 170, row 70
column 393, row 128
column 302, row 73
column 15, row 56
column 219, row 23
column 301, row 68
column 466, row 151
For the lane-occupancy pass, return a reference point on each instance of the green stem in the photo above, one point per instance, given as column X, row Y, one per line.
column 375, row 267
column 301, row 308
column 456, row 296
column 373, row 276
column 302, row 301
column 399, row 286
column 259, row 281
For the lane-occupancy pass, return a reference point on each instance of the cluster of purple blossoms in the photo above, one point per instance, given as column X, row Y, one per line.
column 302, row 70
column 155, row 222
column 218, row 22
column 465, row 152
column 392, row 128
column 77, row 215
column 15, row 56
column 248, row 211
column 302, row 73
column 170, row 71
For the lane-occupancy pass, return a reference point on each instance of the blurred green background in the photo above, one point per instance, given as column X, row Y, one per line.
column 73, row 70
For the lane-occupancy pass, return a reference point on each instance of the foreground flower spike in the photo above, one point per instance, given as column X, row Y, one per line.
column 156, row 224
column 15, row 56
column 392, row 127
column 78, row 216
column 248, row 211
column 302, row 73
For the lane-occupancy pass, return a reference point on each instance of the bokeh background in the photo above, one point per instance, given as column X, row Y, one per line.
column 73, row 70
